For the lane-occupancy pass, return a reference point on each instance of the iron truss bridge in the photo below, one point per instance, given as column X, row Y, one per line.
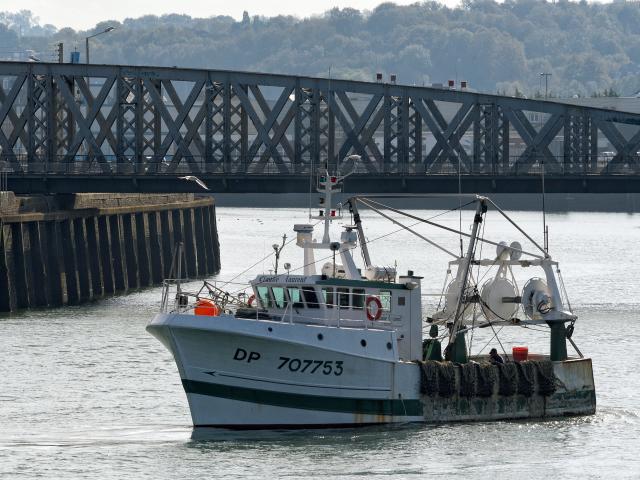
column 102, row 128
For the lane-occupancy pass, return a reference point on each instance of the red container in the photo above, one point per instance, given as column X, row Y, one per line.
column 206, row 307
column 520, row 354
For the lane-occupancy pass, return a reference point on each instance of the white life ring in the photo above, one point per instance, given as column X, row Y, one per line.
column 374, row 312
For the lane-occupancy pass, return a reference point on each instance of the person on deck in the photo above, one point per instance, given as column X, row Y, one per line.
column 431, row 348
column 494, row 357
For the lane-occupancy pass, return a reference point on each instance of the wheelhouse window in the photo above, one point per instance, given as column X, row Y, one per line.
column 279, row 297
column 357, row 299
column 343, row 297
column 295, row 297
column 263, row 296
column 329, row 297
column 310, row 297
column 385, row 300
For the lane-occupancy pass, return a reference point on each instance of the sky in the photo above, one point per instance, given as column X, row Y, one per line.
column 84, row 14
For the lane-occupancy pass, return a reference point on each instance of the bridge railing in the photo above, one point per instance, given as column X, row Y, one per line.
column 113, row 165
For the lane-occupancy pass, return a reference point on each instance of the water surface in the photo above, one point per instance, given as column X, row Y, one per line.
column 87, row 393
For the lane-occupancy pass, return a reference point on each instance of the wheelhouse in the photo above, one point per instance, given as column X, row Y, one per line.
column 330, row 301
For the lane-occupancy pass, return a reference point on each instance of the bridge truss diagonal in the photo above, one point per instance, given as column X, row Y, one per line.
column 142, row 123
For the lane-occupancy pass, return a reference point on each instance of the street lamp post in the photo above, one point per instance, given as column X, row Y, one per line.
column 546, row 83
column 86, row 40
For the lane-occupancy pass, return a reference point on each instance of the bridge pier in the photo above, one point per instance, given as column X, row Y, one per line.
column 53, row 254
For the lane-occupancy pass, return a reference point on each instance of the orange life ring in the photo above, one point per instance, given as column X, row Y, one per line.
column 251, row 300
column 206, row 307
column 371, row 314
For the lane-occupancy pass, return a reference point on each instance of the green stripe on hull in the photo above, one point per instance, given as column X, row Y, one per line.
column 364, row 406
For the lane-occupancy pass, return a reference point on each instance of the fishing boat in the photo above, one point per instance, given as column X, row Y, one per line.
column 336, row 344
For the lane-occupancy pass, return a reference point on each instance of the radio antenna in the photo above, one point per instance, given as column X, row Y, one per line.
column 545, row 230
column 329, row 98
column 460, row 205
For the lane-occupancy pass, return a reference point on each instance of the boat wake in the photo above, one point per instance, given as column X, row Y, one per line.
column 121, row 435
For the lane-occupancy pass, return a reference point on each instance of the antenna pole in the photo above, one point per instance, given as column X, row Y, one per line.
column 334, row 264
column 544, row 214
column 177, row 264
column 329, row 98
column 328, row 190
column 460, row 204
column 278, row 249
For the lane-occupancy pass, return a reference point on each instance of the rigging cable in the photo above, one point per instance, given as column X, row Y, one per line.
column 495, row 335
column 430, row 242
column 473, row 328
column 328, row 257
column 453, row 230
column 564, row 290
column 259, row 261
column 368, row 242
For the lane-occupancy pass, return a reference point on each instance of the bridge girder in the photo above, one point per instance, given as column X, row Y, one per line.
column 134, row 122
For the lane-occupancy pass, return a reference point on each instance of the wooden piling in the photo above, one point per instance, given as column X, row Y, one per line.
column 73, row 256
column 93, row 252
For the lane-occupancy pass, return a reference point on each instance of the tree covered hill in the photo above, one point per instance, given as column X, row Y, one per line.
column 588, row 48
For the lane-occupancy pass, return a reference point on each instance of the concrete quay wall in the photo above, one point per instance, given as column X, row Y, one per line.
column 100, row 245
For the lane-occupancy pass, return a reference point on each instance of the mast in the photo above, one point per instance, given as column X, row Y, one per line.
column 327, row 185
column 327, row 213
column 327, row 206
column 358, row 223
column 456, row 344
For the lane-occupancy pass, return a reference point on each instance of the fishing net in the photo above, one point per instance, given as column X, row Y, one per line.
column 486, row 375
column 446, row 379
column 480, row 379
column 467, row 379
column 526, row 378
column 429, row 377
column 545, row 378
column 507, row 379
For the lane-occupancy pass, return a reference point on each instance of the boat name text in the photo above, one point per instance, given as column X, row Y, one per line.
column 242, row 355
column 298, row 365
column 269, row 279
column 326, row 367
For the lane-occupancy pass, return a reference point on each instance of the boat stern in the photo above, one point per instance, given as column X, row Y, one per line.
column 575, row 389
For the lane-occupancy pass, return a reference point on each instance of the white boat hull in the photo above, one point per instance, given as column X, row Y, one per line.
column 241, row 373
column 250, row 374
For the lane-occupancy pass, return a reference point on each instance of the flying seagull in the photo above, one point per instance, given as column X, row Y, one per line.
column 193, row 178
